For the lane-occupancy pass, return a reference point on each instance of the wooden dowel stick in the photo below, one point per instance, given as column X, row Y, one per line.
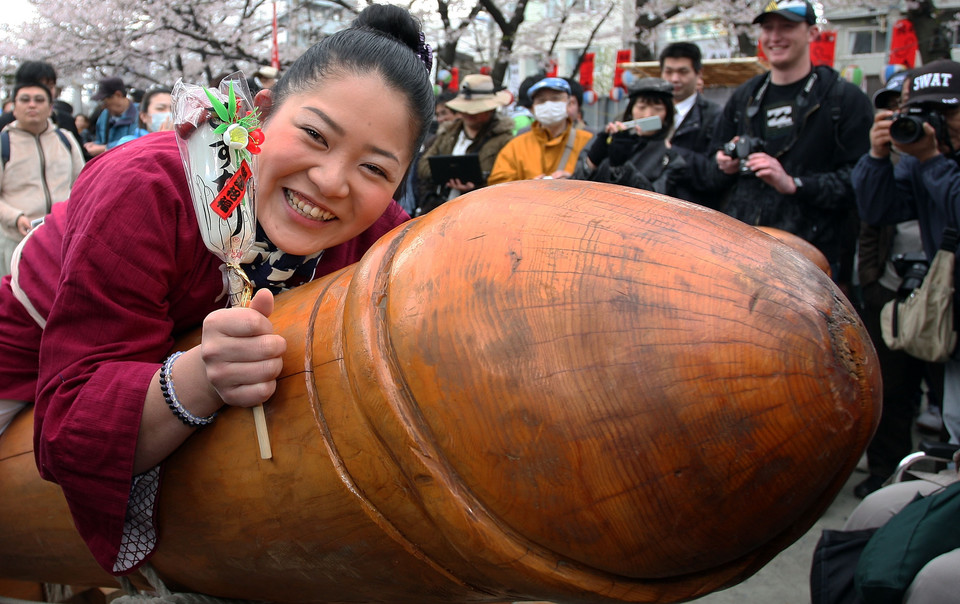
column 263, row 437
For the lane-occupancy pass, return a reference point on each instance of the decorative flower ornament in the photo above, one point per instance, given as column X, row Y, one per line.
column 241, row 134
column 236, row 136
column 256, row 139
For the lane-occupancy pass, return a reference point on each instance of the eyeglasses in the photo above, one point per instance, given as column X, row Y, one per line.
column 38, row 99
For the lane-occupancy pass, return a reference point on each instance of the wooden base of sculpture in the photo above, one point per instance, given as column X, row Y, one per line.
column 545, row 390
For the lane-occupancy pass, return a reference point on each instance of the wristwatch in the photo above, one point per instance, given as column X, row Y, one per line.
column 798, row 183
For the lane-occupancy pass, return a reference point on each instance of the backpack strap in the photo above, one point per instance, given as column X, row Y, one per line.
column 63, row 138
column 5, row 144
column 836, row 88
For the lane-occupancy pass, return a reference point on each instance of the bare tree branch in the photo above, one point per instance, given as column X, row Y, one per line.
column 593, row 33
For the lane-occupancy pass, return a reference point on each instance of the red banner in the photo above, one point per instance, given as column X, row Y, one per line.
column 454, row 84
column 824, row 48
column 552, row 72
column 903, row 44
column 586, row 71
column 623, row 56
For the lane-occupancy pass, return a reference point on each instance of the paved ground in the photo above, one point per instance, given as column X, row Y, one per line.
column 786, row 579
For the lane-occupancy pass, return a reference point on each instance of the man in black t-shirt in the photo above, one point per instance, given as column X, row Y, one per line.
column 794, row 135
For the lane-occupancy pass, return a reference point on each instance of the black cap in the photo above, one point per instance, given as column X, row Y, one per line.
column 107, row 87
column 654, row 86
column 791, row 10
column 881, row 100
column 937, row 82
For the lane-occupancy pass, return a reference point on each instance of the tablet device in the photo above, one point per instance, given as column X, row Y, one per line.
column 464, row 167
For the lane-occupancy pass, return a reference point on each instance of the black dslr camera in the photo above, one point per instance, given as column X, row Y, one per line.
column 907, row 126
column 912, row 267
column 741, row 149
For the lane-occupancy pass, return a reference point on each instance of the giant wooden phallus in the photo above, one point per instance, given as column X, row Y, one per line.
column 548, row 390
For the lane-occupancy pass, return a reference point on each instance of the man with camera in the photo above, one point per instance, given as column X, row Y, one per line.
column 792, row 136
column 924, row 184
column 891, row 262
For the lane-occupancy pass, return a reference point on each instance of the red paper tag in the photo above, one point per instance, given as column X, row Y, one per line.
column 232, row 194
column 824, row 48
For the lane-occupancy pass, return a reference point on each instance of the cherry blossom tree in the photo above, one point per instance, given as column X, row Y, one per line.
column 157, row 41
column 145, row 41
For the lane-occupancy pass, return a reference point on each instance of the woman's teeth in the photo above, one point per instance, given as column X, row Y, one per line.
column 306, row 209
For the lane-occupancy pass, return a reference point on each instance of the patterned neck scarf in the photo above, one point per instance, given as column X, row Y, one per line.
column 272, row 268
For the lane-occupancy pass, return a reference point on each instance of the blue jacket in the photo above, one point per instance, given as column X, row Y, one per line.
column 120, row 126
column 928, row 191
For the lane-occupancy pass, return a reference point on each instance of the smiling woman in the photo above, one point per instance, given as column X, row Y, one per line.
column 332, row 172
column 127, row 249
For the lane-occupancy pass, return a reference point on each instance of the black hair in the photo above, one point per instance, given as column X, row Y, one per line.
column 446, row 96
column 655, row 98
column 145, row 102
column 383, row 39
column 35, row 71
column 576, row 90
column 683, row 50
column 25, row 84
column 523, row 99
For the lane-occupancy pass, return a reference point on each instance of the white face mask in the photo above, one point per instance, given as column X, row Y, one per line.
column 550, row 112
column 157, row 119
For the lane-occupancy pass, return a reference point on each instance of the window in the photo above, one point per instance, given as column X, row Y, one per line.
column 867, row 41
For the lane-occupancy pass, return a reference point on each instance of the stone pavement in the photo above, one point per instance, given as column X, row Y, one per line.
column 786, row 578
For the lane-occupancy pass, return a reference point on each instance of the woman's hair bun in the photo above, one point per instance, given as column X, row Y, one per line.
column 393, row 21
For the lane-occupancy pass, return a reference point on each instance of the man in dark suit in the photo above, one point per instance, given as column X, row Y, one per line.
column 693, row 124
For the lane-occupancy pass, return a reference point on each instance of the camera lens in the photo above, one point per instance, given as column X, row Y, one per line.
column 906, row 129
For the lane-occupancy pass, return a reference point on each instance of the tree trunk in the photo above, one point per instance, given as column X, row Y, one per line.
column 932, row 35
column 508, row 33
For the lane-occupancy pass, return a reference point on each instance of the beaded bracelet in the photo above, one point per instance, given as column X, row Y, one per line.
column 170, row 396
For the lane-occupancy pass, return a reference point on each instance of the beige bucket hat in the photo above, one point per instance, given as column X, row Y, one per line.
column 478, row 94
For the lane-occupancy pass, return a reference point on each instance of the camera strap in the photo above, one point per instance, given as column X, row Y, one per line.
column 753, row 108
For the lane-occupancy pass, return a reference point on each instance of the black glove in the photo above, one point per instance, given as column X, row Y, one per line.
column 620, row 147
column 598, row 148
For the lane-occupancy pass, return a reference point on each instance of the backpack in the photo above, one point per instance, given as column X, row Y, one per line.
column 921, row 531
column 5, row 144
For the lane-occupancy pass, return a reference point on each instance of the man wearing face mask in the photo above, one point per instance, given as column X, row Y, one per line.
column 551, row 147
